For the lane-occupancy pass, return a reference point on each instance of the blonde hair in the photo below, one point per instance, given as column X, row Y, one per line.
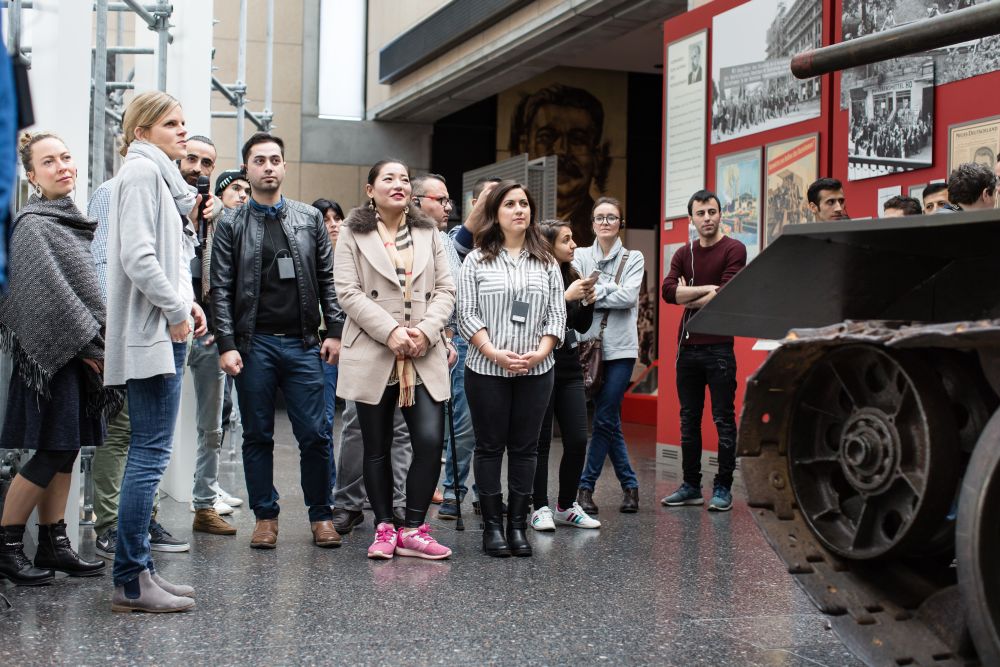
column 143, row 112
column 27, row 142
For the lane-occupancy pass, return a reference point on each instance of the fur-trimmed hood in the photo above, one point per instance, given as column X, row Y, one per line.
column 361, row 220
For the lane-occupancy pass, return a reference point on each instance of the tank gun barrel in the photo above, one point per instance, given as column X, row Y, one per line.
column 934, row 33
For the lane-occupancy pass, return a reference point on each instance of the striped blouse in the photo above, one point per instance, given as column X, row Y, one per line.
column 486, row 295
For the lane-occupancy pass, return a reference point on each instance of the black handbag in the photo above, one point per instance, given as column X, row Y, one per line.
column 591, row 352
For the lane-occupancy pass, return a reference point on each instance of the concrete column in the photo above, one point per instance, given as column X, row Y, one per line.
column 189, row 79
column 189, row 61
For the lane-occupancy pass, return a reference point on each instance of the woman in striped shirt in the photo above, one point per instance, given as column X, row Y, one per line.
column 512, row 312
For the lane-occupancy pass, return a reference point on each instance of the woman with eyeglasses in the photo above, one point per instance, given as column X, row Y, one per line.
column 512, row 311
column 617, row 304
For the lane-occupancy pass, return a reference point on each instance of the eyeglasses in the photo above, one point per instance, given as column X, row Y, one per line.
column 606, row 219
column 443, row 201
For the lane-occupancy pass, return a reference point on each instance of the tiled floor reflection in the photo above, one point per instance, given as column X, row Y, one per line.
column 663, row 587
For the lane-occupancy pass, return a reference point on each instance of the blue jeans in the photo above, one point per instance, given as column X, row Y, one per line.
column 607, row 438
column 270, row 363
column 330, row 395
column 153, row 405
column 465, row 437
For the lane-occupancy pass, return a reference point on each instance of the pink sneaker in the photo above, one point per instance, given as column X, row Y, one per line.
column 385, row 541
column 418, row 542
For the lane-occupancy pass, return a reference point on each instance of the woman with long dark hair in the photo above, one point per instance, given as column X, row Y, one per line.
column 394, row 284
column 52, row 323
column 512, row 311
column 568, row 403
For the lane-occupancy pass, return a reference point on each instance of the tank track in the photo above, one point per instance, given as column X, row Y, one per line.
column 886, row 612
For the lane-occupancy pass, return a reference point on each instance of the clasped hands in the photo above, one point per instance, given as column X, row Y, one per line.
column 408, row 342
column 518, row 364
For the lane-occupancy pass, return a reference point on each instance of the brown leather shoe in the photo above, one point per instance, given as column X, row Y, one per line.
column 265, row 534
column 324, row 534
column 208, row 521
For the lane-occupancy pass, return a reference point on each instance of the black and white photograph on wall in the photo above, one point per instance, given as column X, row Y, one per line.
column 953, row 63
column 752, row 85
column 891, row 126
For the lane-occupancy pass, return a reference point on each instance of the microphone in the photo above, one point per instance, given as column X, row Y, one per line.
column 203, row 186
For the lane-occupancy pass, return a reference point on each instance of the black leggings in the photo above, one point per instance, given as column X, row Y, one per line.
column 425, row 421
column 46, row 464
column 507, row 415
column 569, row 403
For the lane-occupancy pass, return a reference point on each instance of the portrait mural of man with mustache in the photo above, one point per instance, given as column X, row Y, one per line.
column 567, row 122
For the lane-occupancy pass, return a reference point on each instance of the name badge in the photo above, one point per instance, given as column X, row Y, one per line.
column 519, row 311
column 286, row 268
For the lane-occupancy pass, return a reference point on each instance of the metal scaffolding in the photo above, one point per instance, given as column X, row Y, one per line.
column 108, row 105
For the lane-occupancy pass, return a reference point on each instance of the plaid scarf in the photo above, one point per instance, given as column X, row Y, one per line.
column 400, row 249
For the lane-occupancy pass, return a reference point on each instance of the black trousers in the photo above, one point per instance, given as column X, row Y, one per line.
column 714, row 366
column 425, row 421
column 507, row 415
column 568, row 404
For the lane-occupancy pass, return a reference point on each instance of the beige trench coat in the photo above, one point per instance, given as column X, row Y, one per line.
column 370, row 295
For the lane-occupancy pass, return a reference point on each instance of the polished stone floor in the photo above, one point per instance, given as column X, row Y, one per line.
column 661, row 587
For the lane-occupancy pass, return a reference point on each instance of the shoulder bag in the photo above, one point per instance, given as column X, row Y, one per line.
column 591, row 352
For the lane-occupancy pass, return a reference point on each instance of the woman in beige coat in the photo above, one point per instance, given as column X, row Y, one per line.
column 394, row 284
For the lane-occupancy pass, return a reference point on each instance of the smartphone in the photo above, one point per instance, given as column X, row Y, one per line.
column 592, row 279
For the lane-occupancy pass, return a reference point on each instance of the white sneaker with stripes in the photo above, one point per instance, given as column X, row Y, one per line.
column 574, row 516
column 541, row 520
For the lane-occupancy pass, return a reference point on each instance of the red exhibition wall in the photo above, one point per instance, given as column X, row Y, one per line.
column 957, row 102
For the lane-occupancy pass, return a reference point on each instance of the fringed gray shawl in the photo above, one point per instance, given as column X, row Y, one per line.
column 53, row 310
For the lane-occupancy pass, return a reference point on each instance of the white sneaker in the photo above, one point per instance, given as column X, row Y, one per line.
column 232, row 501
column 574, row 516
column 222, row 508
column 541, row 519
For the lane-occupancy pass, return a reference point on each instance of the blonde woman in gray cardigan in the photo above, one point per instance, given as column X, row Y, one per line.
column 150, row 299
column 618, row 301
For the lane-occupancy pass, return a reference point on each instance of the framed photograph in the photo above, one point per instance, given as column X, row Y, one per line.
column 917, row 192
column 884, row 195
column 791, row 167
column 960, row 61
column 684, row 121
column 752, row 83
column 737, row 183
column 976, row 141
column 891, row 121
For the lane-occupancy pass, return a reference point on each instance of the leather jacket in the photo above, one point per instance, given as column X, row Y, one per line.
column 236, row 267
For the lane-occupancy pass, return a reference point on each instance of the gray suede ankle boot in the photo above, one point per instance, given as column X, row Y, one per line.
column 151, row 598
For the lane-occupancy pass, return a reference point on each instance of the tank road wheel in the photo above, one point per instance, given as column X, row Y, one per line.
column 870, row 452
column 977, row 543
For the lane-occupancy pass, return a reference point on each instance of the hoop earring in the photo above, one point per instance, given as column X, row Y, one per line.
column 371, row 203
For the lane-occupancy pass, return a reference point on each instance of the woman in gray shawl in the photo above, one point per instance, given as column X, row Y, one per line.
column 52, row 323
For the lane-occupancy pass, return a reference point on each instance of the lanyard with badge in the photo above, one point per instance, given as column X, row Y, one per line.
column 519, row 307
column 286, row 266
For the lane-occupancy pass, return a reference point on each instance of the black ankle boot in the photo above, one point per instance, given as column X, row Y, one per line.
column 517, row 524
column 585, row 497
column 56, row 553
column 630, row 501
column 494, row 543
column 14, row 565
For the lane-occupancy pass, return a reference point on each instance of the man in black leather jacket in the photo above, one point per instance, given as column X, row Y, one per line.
column 272, row 273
